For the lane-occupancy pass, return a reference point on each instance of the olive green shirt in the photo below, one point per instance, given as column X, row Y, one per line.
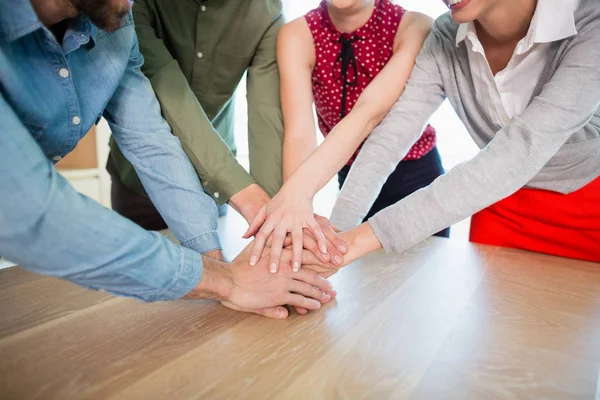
column 196, row 53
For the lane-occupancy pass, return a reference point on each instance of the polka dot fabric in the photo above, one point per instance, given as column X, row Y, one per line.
column 373, row 45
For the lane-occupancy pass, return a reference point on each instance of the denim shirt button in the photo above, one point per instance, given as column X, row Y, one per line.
column 64, row 72
column 57, row 158
column 76, row 120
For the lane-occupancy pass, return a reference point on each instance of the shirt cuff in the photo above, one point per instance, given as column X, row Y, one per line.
column 204, row 243
column 389, row 233
column 227, row 182
column 190, row 274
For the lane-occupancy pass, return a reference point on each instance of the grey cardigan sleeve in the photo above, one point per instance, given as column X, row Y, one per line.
column 512, row 158
column 391, row 140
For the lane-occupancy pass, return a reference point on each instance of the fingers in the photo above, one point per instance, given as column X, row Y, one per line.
column 309, row 258
column 312, row 278
column 259, row 243
column 333, row 238
column 301, row 311
column 310, row 291
column 277, row 249
column 311, row 245
column 315, row 229
column 297, row 248
column 279, row 312
column 256, row 223
column 302, row 302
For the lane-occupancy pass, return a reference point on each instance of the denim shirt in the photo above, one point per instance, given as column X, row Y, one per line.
column 50, row 96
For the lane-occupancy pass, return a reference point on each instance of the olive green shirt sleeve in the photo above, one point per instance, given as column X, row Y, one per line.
column 217, row 167
column 265, row 120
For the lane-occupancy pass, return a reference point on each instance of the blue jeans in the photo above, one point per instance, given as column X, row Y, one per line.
column 408, row 177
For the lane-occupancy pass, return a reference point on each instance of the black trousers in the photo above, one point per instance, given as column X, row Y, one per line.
column 132, row 205
column 408, row 177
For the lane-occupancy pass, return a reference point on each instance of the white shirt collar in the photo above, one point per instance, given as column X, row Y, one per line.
column 553, row 20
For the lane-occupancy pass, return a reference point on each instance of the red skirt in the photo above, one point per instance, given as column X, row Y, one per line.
column 544, row 222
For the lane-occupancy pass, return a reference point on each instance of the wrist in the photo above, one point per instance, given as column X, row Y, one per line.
column 216, row 282
column 361, row 241
column 296, row 187
column 249, row 201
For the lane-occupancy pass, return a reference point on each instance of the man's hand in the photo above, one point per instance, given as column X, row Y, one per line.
column 253, row 289
column 249, row 201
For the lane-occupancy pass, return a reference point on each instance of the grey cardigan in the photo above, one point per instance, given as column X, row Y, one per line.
column 553, row 145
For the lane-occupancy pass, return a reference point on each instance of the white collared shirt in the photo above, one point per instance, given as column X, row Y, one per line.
column 509, row 92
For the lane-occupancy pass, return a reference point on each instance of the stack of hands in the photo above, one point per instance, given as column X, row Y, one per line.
column 288, row 263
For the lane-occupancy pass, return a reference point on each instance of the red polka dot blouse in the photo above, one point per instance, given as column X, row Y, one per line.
column 347, row 63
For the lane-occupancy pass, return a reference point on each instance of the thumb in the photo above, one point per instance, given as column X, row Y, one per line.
column 279, row 312
column 256, row 223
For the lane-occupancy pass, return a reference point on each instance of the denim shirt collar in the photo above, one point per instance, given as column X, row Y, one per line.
column 19, row 19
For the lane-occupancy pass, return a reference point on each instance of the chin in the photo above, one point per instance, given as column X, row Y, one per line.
column 463, row 11
column 344, row 4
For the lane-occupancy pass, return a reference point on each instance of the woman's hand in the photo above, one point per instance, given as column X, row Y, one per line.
column 361, row 241
column 284, row 213
column 293, row 214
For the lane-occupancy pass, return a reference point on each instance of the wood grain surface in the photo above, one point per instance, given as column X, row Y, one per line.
column 444, row 320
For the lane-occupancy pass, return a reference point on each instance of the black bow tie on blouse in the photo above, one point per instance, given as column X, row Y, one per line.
column 347, row 58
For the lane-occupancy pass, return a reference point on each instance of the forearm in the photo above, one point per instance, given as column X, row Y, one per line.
column 215, row 164
column 295, row 151
column 265, row 120
column 48, row 228
column 144, row 137
column 332, row 154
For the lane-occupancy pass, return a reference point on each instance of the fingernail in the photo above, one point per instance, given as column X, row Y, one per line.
column 253, row 260
column 343, row 248
column 324, row 249
column 338, row 260
column 273, row 268
column 326, row 297
column 296, row 266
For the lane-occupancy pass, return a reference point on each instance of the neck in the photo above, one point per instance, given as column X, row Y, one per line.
column 508, row 21
column 51, row 12
column 350, row 19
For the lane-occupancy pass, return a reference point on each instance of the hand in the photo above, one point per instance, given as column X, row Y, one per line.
column 361, row 241
column 249, row 201
column 310, row 261
column 244, row 288
column 336, row 247
column 283, row 214
column 293, row 214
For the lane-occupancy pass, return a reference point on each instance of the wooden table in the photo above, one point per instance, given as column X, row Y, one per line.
column 445, row 320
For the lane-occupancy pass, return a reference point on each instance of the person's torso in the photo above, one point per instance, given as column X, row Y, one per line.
column 337, row 85
column 213, row 42
column 578, row 160
column 60, row 92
